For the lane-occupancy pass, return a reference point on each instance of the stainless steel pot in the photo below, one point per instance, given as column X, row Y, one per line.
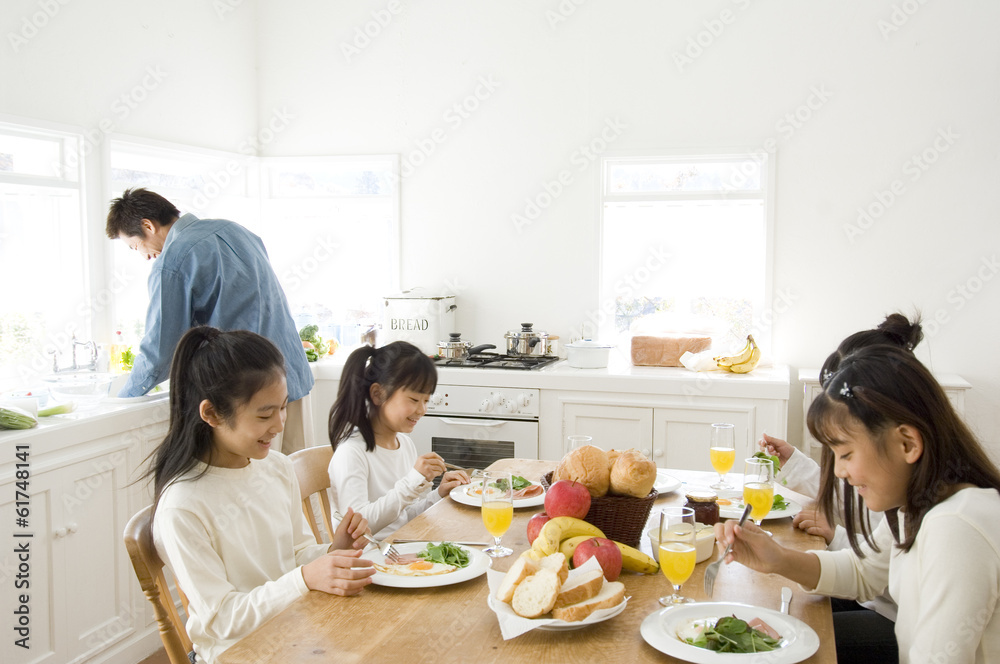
column 526, row 341
column 456, row 349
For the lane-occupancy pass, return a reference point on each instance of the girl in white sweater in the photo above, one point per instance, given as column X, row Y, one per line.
column 228, row 514
column 375, row 469
column 894, row 444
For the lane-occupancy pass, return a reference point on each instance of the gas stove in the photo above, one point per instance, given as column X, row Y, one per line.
column 498, row 361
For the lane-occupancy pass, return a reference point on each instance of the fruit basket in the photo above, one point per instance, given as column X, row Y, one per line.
column 620, row 518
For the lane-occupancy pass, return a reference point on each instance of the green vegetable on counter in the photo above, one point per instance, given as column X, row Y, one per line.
column 12, row 417
column 445, row 553
column 730, row 634
column 128, row 359
column 61, row 409
column 310, row 333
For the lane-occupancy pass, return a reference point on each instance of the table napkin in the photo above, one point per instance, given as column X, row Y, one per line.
column 513, row 625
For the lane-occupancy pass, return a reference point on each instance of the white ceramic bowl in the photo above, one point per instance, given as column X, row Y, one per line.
column 704, row 542
column 587, row 354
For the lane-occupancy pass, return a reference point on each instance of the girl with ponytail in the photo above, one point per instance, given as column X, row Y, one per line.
column 227, row 516
column 375, row 468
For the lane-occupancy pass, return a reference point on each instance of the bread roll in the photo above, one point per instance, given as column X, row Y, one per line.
column 522, row 568
column 612, row 594
column 581, row 588
column 666, row 350
column 537, row 594
column 587, row 465
column 612, row 457
column 633, row 474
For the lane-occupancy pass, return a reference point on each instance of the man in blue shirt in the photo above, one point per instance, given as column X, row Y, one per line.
column 208, row 272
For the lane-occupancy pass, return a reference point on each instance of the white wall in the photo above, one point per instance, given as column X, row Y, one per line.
column 884, row 97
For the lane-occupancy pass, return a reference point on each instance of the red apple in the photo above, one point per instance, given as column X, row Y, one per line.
column 565, row 498
column 607, row 553
column 535, row 524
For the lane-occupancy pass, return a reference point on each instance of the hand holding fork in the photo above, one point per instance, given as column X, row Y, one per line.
column 385, row 548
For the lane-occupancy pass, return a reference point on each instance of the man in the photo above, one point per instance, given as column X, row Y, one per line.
column 207, row 272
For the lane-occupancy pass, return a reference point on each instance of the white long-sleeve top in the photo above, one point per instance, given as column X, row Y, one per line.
column 947, row 586
column 236, row 540
column 801, row 474
column 382, row 484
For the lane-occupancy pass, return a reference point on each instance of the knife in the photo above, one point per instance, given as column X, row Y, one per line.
column 786, row 598
column 408, row 541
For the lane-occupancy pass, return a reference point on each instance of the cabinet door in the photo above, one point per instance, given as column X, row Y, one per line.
column 611, row 427
column 680, row 435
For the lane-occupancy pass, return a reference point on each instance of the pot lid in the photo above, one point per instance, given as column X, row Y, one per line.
column 525, row 332
column 588, row 343
column 454, row 341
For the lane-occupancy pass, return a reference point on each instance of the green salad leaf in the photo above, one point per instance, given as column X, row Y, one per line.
column 445, row 553
column 730, row 634
column 773, row 458
column 518, row 482
column 779, row 502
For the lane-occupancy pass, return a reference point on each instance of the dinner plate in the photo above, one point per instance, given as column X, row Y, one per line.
column 666, row 483
column 553, row 625
column 659, row 629
column 735, row 510
column 459, row 495
column 478, row 563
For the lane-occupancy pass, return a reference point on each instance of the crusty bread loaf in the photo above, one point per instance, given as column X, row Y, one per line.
column 522, row 568
column 557, row 563
column 536, row 594
column 612, row 457
column 587, row 465
column 582, row 587
column 612, row 594
column 633, row 474
column 666, row 350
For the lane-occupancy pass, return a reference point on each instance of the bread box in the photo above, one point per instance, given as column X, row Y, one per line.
column 422, row 319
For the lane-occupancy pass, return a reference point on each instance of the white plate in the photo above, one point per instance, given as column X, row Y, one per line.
column 666, row 483
column 561, row 625
column 478, row 563
column 459, row 495
column 735, row 510
column 659, row 629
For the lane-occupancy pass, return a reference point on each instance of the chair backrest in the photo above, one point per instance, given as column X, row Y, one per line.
column 312, row 471
column 149, row 570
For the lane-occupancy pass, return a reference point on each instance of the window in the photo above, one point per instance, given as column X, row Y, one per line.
column 685, row 246
column 41, row 226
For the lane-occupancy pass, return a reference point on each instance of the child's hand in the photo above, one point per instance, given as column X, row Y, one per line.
column 338, row 573
column 429, row 465
column 777, row 447
column 349, row 532
column 452, row 479
column 813, row 522
column 751, row 545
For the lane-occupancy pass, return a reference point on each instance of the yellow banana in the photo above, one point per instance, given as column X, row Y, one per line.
column 749, row 365
column 568, row 546
column 634, row 560
column 562, row 527
column 726, row 361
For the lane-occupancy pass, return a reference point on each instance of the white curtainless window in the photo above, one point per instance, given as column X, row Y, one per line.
column 685, row 245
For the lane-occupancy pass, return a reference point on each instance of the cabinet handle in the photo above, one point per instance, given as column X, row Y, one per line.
column 647, row 452
column 71, row 528
column 61, row 532
column 658, row 453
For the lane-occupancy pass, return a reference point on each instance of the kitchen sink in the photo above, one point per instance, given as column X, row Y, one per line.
column 82, row 387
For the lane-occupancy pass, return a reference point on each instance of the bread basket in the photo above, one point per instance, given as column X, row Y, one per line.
column 620, row 518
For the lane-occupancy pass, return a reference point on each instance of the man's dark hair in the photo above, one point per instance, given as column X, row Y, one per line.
column 126, row 213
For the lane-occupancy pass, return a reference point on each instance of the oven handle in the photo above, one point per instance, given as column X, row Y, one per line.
column 474, row 423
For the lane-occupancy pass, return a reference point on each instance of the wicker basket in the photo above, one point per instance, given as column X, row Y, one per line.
column 621, row 518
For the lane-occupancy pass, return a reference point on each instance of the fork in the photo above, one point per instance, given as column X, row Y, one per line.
column 387, row 550
column 713, row 569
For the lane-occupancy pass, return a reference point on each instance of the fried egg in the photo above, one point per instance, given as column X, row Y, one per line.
column 417, row 568
column 474, row 490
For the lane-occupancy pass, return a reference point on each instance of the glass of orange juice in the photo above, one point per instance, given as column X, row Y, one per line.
column 677, row 550
column 758, row 487
column 722, row 452
column 498, row 509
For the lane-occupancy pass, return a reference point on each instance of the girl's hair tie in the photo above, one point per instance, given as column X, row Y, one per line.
column 846, row 391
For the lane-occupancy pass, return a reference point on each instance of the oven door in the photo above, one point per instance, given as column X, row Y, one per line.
column 473, row 442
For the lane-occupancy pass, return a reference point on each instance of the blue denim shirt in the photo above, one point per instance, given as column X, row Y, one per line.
column 214, row 272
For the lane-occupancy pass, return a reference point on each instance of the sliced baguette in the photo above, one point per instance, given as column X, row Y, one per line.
column 537, row 594
column 522, row 568
column 611, row 594
column 581, row 588
column 558, row 564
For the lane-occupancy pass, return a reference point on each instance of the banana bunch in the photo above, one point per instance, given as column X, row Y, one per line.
column 564, row 533
column 743, row 361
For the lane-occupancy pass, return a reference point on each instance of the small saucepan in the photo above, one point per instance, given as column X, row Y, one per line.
column 526, row 341
column 456, row 349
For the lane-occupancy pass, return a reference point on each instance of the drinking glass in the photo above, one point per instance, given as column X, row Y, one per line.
column 498, row 509
column 758, row 487
column 677, row 550
column 573, row 442
column 722, row 452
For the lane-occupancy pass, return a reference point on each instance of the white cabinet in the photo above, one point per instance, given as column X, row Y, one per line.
column 83, row 599
column 611, row 426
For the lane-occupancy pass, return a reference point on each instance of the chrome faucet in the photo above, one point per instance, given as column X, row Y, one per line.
column 91, row 366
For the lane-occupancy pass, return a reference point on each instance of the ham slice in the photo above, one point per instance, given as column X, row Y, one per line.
column 529, row 491
column 762, row 626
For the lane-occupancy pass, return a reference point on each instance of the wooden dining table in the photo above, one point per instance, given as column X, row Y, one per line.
column 452, row 623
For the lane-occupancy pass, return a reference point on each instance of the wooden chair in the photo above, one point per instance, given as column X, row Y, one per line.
column 149, row 570
column 311, row 469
